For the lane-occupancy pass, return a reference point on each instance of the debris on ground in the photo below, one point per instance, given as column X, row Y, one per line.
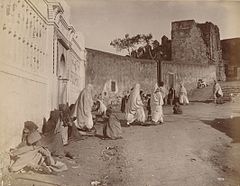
column 109, row 152
column 95, row 183
column 220, row 179
column 75, row 167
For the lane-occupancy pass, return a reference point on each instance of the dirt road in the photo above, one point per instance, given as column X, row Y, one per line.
column 186, row 150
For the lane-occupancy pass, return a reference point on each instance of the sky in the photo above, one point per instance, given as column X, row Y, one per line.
column 101, row 21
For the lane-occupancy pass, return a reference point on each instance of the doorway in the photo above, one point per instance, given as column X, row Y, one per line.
column 62, row 80
column 171, row 80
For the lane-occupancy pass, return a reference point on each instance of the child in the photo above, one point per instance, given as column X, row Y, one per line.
column 177, row 108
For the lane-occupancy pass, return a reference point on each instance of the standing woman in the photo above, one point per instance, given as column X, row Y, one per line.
column 83, row 109
column 123, row 103
column 134, row 109
column 183, row 99
column 217, row 92
column 156, row 105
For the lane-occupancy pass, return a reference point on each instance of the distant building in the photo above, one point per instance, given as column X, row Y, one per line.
column 197, row 43
column 231, row 57
column 42, row 63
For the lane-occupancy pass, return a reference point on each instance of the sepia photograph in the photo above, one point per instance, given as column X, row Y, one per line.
column 119, row 93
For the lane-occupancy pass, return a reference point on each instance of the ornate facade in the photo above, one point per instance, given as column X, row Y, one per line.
column 42, row 63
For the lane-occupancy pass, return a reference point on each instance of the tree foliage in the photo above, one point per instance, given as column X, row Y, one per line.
column 140, row 46
column 130, row 43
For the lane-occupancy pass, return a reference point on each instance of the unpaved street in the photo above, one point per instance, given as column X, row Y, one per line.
column 185, row 150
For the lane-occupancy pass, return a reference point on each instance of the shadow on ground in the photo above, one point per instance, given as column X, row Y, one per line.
column 229, row 126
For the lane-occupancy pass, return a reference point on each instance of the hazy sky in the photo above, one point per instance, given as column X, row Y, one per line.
column 101, row 21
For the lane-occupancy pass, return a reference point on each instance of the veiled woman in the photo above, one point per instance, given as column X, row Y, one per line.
column 135, row 110
column 183, row 99
column 156, row 105
column 83, row 109
column 217, row 91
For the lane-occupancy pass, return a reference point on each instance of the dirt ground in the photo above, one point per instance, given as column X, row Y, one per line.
column 199, row 147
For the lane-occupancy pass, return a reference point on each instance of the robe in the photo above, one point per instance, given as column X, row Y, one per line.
column 134, row 109
column 156, row 105
column 183, row 99
column 83, row 109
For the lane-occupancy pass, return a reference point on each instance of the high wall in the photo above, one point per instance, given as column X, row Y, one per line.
column 34, row 36
column 103, row 67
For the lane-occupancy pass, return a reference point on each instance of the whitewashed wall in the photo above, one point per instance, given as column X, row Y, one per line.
column 28, row 64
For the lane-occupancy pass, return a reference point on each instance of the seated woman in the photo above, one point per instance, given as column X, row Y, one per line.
column 52, row 135
column 177, row 108
column 112, row 128
column 68, row 121
column 99, row 108
column 31, row 155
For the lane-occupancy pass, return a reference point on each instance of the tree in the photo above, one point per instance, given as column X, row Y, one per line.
column 127, row 43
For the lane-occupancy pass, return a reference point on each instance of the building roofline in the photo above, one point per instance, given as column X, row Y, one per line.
column 100, row 51
column 235, row 38
column 188, row 20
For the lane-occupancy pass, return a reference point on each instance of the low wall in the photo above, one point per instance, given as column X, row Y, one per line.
column 188, row 73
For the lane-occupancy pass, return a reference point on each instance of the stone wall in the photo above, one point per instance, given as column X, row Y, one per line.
column 34, row 36
column 187, row 73
column 103, row 68
column 187, row 43
column 197, row 43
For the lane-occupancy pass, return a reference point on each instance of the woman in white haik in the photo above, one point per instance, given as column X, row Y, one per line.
column 134, row 109
column 183, row 99
column 156, row 105
column 217, row 91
